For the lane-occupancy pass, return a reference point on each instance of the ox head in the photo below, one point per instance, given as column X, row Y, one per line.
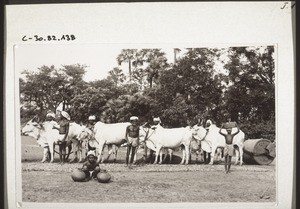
column 85, row 134
column 146, row 132
column 31, row 128
column 199, row 132
column 145, row 136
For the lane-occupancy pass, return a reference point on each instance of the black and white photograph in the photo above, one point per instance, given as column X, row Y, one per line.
column 165, row 110
column 154, row 123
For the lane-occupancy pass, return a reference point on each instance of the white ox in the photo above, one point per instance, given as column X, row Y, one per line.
column 160, row 137
column 168, row 151
column 213, row 140
column 47, row 137
column 109, row 134
column 87, row 138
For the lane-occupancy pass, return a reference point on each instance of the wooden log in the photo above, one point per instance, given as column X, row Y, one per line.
column 259, row 151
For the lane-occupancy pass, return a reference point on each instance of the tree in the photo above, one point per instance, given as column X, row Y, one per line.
column 181, row 113
column 193, row 79
column 127, row 56
column 250, row 98
column 157, row 62
column 41, row 89
column 251, row 73
column 176, row 51
column 117, row 76
column 73, row 82
column 122, row 108
column 47, row 88
column 90, row 102
column 144, row 65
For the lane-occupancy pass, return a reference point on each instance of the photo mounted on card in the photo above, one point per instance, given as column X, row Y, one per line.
column 152, row 113
column 143, row 113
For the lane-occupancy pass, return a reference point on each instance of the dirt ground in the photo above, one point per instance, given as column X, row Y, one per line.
column 45, row 182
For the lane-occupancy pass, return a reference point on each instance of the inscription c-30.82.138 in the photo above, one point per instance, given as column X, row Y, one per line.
column 49, row 38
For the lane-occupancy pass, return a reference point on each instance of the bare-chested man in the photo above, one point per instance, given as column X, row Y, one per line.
column 132, row 138
column 229, row 149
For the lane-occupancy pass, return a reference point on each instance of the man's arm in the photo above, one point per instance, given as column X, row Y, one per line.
column 84, row 166
column 138, row 132
column 56, row 126
column 220, row 131
column 238, row 130
column 235, row 124
column 126, row 134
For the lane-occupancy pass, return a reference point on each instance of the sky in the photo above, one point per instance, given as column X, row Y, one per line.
column 99, row 58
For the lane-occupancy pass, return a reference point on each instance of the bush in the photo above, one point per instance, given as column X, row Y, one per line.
column 262, row 129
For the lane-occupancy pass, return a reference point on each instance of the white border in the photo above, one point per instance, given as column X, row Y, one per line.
column 267, row 23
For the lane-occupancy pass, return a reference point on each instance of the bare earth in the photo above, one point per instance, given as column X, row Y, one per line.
column 45, row 182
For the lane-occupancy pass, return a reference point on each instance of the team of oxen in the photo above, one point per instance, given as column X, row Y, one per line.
column 157, row 139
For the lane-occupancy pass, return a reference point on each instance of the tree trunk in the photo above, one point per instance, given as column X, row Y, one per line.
column 176, row 50
column 41, row 109
column 150, row 81
column 129, row 70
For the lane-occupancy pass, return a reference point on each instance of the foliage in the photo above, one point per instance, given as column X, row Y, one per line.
column 251, row 97
column 193, row 80
column 260, row 129
column 180, row 93
column 253, row 91
column 127, row 56
column 147, row 65
column 49, row 87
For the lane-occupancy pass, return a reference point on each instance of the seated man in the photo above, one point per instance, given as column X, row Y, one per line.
column 91, row 166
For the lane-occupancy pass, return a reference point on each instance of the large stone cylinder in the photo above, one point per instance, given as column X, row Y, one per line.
column 259, row 151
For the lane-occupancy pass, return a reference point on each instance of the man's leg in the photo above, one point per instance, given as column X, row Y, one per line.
column 87, row 173
column 64, row 143
column 226, row 159
column 60, row 152
column 204, row 157
column 132, row 154
column 95, row 172
column 145, row 153
column 75, row 144
column 151, row 155
column 127, row 154
column 229, row 162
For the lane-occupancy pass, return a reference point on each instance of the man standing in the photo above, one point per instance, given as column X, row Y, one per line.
column 91, row 143
column 156, row 123
column 91, row 122
column 63, row 127
column 132, row 138
column 229, row 149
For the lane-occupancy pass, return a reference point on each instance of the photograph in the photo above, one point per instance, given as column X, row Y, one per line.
column 111, row 124
column 149, row 105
